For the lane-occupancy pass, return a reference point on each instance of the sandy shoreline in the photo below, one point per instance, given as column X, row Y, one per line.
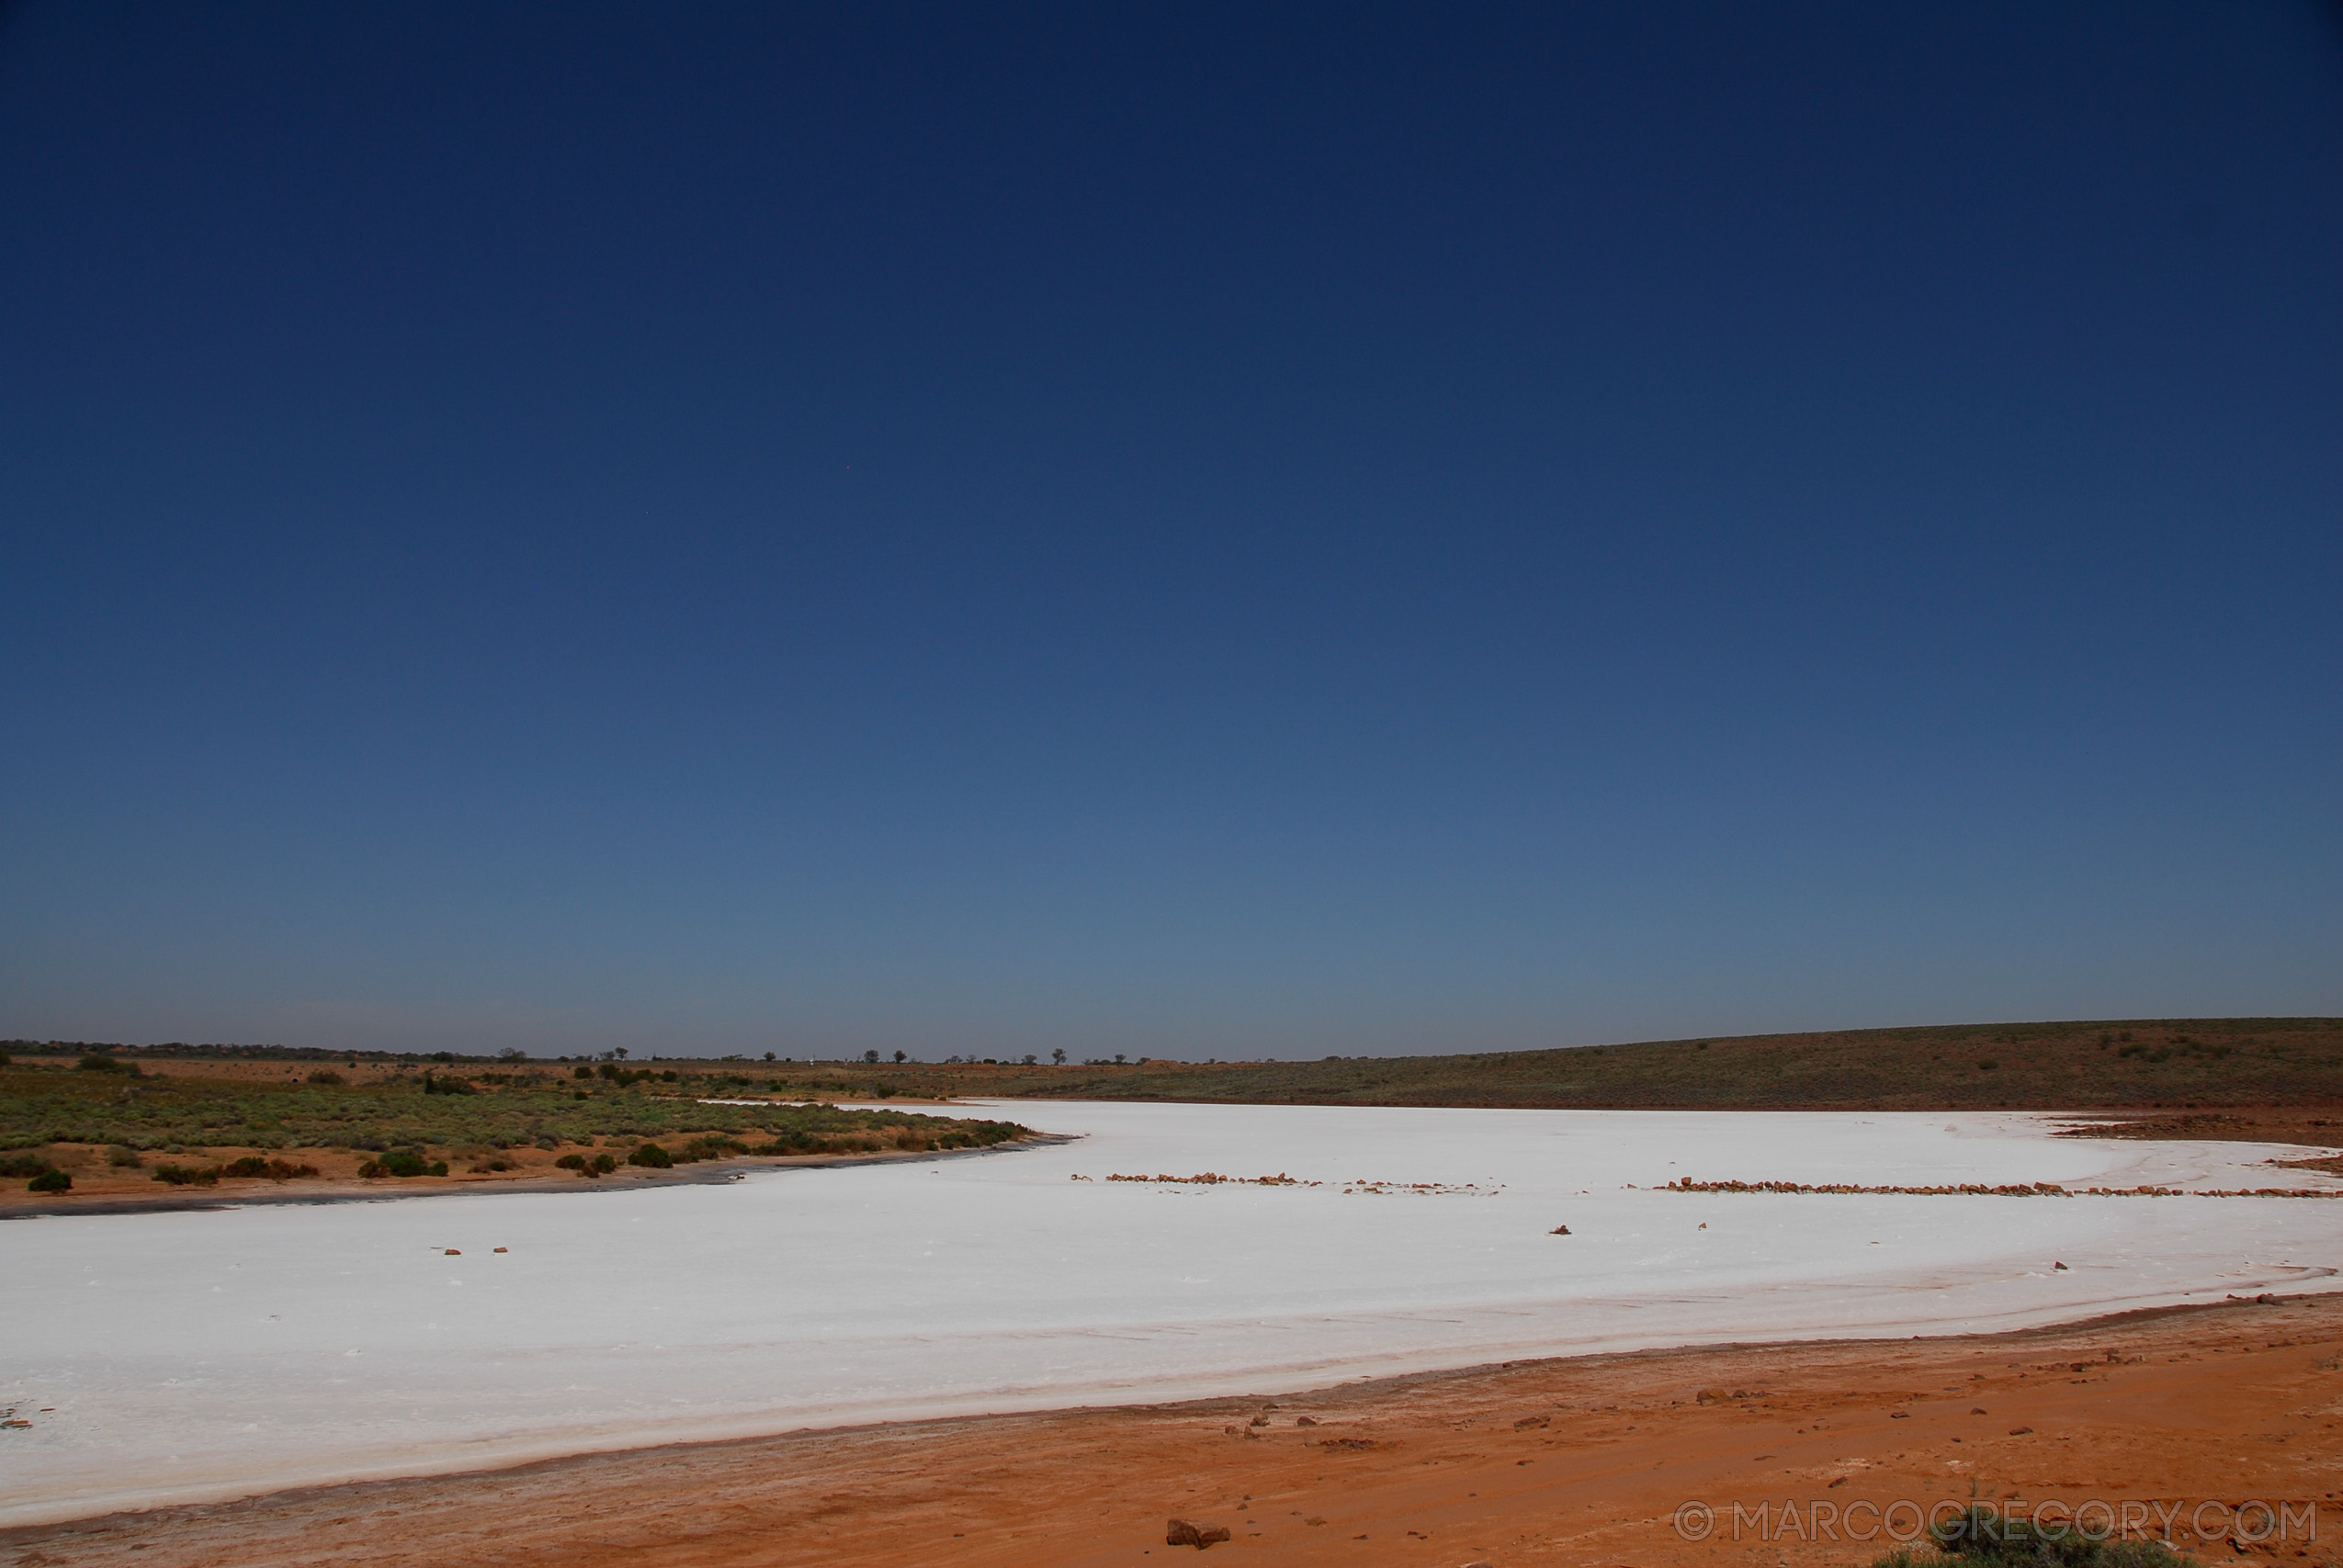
column 1578, row 1460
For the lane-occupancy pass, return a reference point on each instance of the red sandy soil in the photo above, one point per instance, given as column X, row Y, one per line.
column 1581, row 1462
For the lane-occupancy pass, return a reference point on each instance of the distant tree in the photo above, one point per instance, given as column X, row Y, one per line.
column 1118, row 1058
column 1029, row 1058
column 1059, row 1056
column 768, row 1056
column 902, row 1056
column 512, row 1054
column 871, row 1057
column 620, row 1052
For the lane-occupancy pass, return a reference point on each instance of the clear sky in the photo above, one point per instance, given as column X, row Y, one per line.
column 1211, row 531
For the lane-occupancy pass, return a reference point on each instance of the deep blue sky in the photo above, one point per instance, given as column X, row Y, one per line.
column 1219, row 531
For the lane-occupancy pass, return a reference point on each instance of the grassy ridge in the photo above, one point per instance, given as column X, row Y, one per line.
column 2128, row 1064
column 2131, row 1064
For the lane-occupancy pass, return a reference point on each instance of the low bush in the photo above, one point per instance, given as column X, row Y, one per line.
column 651, row 1156
column 23, row 1167
column 1981, row 1538
column 272, row 1170
column 121, row 1156
column 327, row 1077
column 402, row 1162
column 51, row 1182
column 188, row 1175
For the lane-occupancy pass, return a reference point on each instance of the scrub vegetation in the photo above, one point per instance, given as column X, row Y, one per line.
column 240, row 1115
column 2130, row 1064
column 1982, row 1538
column 2178, row 1075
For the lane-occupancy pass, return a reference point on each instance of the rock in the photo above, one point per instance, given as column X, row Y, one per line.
column 1305, row 1420
column 1560, row 1230
column 2058, row 1269
column 1713, row 1396
column 1180, row 1532
column 1526, row 1422
column 454, row 1252
column 504, row 1249
column 2021, row 1431
column 1261, row 1420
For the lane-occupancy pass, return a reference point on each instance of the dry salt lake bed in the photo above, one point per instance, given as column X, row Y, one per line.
column 182, row 1356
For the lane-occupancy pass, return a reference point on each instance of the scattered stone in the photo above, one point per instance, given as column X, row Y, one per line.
column 454, row 1252
column 1841, row 1482
column 1560, row 1230
column 1715, row 1396
column 1899, row 1415
column 2058, row 1269
column 1180, row 1532
column 1259, row 1421
column 1305, row 1420
column 2021, row 1431
column 504, row 1249
column 1526, row 1422
column 1977, row 1410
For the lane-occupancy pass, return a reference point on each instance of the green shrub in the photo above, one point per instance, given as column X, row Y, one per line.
column 51, row 1182
column 273, row 1169
column 570, row 1162
column 121, row 1156
column 327, row 1077
column 1981, row 1538
column 188, row 1175
column 402, row 1162
column 651, row 1156
column 23, row 1167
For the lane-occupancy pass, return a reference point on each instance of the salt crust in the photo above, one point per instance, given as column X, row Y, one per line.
column 206, row 1355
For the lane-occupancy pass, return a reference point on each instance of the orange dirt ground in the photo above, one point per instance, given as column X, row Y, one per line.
column 1581, row 1462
